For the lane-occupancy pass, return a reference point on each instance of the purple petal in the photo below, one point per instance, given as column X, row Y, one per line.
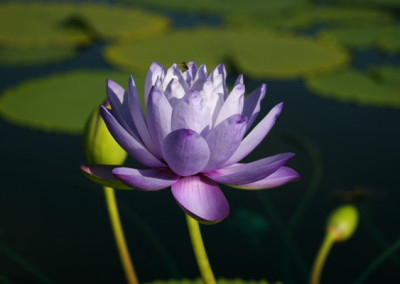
column 201, row 199
column 185, row 151
column 201, row 77
column 232, row 105
column 118, row 99
column 103, row 175
column 238, row 174
column 280, row 177
column 128, row 142
column 146, row 179
column 239, row 80
column 174, row 72
column 224, row 139
column 252, row 104
column 159, row 113
column 174, row 91
column 156, row 71
column 190, row 73
column 218, row 77
column 138, row 116
column 251, row 141
column 191, row 113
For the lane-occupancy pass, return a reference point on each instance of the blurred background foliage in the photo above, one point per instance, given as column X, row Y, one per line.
column 55, row 57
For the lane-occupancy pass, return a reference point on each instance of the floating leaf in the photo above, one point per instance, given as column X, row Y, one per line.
column 121, row 22
column 70, row 24
column 33, row 56
column 387, row 37
column 38, row 24
column 60, row 103
column 372, row 3
column 258, row 53
column 309, row 16
column 221, row 6
column 355, row 87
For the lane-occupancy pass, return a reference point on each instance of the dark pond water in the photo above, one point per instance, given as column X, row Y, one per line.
column 55, row 219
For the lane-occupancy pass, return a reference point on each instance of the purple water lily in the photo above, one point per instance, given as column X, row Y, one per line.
column 192, row 137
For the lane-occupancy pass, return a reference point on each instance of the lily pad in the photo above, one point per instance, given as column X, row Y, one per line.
column 221, row 6
column 379, row 88
column 386, row 37
column 60, row 103
column 312, row 15
column 34, row 56
column 372, row 3
column 71, row 24
column 259, row 53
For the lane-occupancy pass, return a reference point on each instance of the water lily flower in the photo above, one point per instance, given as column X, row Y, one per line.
column 193, row 136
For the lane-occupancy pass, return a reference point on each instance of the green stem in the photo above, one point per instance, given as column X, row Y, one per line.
column 321, row 257
column 199, row 251
column 378, row 261
column 126, row 261
column 25, row 264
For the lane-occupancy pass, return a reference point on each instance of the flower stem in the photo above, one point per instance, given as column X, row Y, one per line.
column 199, row 251
column 321, row 257
column 119, row 236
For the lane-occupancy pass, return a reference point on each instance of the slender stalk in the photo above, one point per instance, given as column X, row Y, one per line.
column 199, row 251
column 387, row 253
column 120, row 241
column 321, row 257
column 23, row 263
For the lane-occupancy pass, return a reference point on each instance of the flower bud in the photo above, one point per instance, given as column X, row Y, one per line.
column 99, row 146
column 343, row 222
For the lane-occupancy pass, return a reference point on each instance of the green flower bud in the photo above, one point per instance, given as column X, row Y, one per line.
column 343, row 222
column 99, row 146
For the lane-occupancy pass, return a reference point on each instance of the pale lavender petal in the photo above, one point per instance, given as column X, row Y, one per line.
column 251, row 141
column 224, row 139
column 239, row 80
column 159, row 113
column 190, row 73
column 138, row 116
column 185, row 151
column 201, row 199
column 252, row 104
column 280, row 177
column 191, row 113
column 233, row 104
column 213, row 98
column 218, row 77
column 174, row 72
column 128, row 142
column 146, row 179
column 174, row 92
column 238, row 174
column 201, row 77
column 156, row 71
column 103, row 175
column 118, row 99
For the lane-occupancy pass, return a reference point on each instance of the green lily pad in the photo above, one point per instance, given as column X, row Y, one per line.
column 60, row 103
column 221, row 6
column 372, row 3
column 258, row 53
column 38, row 24
column 377, row 88
column 311, row 15
column 70, row 24
column 34, row 56
column 386, row 37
